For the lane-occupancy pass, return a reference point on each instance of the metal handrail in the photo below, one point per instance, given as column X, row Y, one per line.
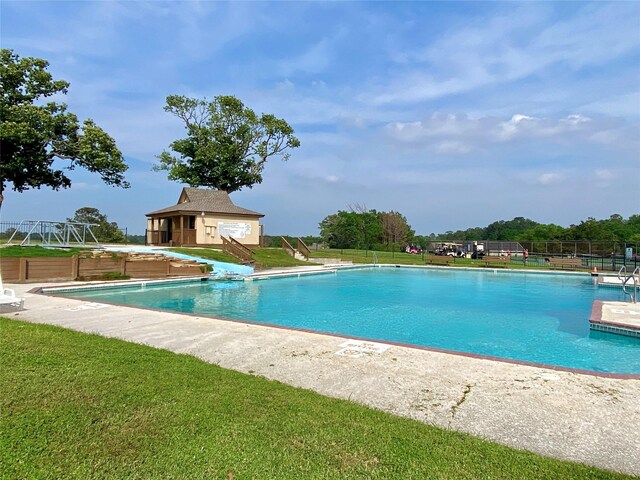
column 622, row 275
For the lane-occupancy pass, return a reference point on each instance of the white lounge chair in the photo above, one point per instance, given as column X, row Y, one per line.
column 8, row 297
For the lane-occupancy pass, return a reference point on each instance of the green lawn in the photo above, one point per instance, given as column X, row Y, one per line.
column 75, row 405
column 208, row 253
column 264, row 257
column 401, row 258
column 275, row 257
column 14, row 251
column 366, row 256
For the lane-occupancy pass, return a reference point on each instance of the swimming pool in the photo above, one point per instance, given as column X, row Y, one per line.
column 519, row 316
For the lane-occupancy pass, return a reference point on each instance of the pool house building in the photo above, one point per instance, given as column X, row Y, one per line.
column 201, row 218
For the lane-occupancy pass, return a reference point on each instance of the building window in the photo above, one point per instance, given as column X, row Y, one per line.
column 192, row 222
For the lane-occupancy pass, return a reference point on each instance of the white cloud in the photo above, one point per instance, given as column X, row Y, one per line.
column 526, row 126
column 604, row 174
column 504, row 49
column 351, row 120
column 316, row 58
column 285, row 85
column 515, row 125
column 603, row 178
column 407, row 131
column 575, row 120
column 604, row 136
column 615, row 26
column 627, row 105
column 453, row 147
column 463, row 134
column 548, row 178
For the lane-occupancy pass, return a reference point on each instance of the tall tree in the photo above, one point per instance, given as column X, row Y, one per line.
column 509, row 229
column 542, row 232
column 591, row 230
column 395, row 228
column 104, row 230
column 352, row 229
column 34, row 134
column 227, row 144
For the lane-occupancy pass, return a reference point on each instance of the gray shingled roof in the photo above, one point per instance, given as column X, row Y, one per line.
column 207, row 201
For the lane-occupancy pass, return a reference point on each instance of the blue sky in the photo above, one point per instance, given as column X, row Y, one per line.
column 454, row 114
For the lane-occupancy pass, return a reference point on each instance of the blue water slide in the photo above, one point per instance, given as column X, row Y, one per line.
column 219, row 269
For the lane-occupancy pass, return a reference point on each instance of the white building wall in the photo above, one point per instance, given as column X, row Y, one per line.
column 209, row 229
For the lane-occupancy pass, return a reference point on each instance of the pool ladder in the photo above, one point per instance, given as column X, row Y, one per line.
column 375, row 259
column 626, row 278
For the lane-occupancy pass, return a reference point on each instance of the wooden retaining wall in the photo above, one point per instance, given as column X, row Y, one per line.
column 85, row 268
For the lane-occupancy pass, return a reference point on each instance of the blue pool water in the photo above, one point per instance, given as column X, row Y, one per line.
column 528, row 317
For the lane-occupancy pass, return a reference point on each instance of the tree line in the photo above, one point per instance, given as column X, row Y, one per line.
column 613, row 229
column 368, row 229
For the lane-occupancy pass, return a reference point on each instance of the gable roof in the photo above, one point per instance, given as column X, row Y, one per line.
column 204, row 200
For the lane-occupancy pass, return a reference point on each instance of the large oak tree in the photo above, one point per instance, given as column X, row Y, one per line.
column 103, row 229
column 227, row 144
column 35, row 133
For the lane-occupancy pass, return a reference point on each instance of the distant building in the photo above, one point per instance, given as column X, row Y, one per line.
column 201, row 218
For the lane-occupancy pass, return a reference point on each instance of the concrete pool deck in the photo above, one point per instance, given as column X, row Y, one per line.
column 562, row 414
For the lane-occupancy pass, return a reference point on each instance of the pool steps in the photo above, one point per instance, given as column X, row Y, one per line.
column 621, row 318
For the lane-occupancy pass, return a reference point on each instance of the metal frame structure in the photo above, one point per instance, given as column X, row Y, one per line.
column 55, row 234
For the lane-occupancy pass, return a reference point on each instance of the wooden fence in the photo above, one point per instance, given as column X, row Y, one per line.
column 87, row 268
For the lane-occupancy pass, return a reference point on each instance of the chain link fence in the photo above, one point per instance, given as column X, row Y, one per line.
column 607, row 256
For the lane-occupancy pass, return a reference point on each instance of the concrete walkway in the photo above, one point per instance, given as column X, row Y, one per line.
column 589, row 419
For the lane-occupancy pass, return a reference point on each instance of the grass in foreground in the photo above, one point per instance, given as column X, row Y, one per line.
column 81, row 406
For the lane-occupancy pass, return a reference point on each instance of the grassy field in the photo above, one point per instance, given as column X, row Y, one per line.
column 264, row 257
column 208, row 253
column 275, row 257
column 14, row 251
column 75, row 405
column 401, row 258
